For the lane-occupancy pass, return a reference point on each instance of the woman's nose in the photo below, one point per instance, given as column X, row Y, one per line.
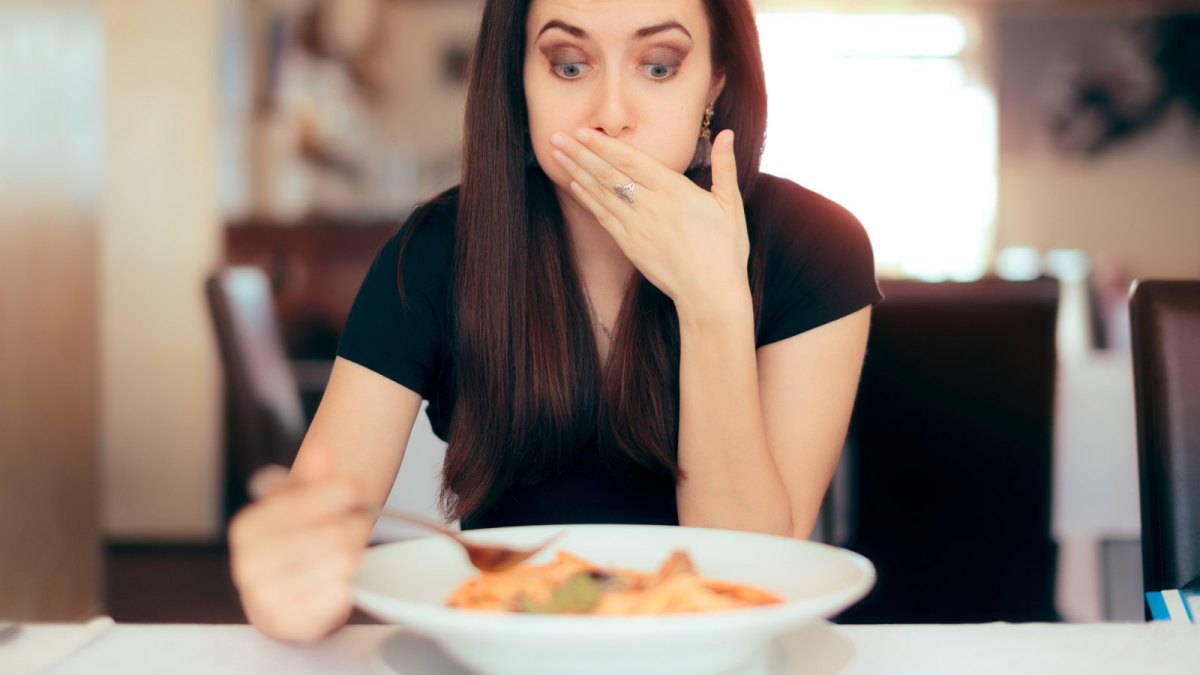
column 611, row 108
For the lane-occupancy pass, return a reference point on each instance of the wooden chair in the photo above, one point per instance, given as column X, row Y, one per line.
column 1165, row 323
column 265, row 421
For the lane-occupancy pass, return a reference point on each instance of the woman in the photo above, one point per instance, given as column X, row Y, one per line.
column 605, row 330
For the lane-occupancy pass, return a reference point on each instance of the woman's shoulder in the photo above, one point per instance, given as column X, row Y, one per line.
column 401, row 315
column 782, row 207
column 425, row 237
column 425, row 240
column 430, row 226
column 799, row 226
column 818, row 261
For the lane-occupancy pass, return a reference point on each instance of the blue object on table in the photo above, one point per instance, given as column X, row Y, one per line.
column 1175, row 605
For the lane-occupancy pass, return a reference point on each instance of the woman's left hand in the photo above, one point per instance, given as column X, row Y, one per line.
column 689, row 242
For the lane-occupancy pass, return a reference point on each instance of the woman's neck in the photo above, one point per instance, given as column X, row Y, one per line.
column 604, row 270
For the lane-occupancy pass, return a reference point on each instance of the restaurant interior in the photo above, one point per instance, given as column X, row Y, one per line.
column 192, row 192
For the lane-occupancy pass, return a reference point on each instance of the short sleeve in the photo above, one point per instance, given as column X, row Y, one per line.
column 819, row 263
column 405, row 339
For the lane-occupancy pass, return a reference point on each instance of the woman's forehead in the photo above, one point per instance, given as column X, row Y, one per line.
column 618, row 19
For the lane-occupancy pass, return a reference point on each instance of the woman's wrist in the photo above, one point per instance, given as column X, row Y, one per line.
column 708, row 309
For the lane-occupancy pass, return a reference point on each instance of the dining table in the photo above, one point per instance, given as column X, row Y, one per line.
column 102, row 647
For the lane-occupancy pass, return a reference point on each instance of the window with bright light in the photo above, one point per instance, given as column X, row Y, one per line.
column 882, row 113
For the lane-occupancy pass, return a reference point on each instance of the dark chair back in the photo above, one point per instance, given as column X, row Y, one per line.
column 1165, row 320
column 949, row 454
column 265, row 421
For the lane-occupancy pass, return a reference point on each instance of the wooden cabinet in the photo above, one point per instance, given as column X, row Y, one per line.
column 315, row 268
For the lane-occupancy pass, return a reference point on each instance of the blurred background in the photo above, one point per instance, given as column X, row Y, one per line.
column 145, row 145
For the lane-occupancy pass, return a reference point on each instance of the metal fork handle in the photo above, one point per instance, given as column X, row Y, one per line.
column 393, row 514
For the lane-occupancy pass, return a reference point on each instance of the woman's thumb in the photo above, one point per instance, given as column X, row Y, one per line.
column 724, row 168
column 315, row 463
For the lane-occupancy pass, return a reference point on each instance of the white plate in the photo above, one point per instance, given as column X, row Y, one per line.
column 408, row 583
column 813, row 649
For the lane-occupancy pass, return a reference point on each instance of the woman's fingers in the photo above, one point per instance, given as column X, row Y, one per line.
column 597, row 148
column 672, row 230
column 724, row 171
column 604, row 216
column 267, row 480
column 294, row 554
column 596, row 177
column 298, row 506
column 336, row 569
column 304, row 607
column 602, row 202
column 274, row 556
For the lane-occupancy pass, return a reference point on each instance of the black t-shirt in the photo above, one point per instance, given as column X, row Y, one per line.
column 819, row 267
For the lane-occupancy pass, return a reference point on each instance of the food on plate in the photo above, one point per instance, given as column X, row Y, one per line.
column 572, row 585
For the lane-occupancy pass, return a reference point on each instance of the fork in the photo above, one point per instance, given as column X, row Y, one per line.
column 485, row 557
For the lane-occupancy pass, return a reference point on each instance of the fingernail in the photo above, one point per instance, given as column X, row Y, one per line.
column 558, row 139
column 559, row 157
column 583, row 135
column 266, row 480
column 728, row 142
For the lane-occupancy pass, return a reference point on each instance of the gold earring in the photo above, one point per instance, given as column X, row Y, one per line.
column 703, row 154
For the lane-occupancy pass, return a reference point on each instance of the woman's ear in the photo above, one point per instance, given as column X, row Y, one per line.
column 718, row 85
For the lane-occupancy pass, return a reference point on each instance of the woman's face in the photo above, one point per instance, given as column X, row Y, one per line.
column 638, row 70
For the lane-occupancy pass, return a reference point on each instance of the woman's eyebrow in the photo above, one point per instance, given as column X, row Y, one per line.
column 640, row 34
column 564, row 26
column 646, row 32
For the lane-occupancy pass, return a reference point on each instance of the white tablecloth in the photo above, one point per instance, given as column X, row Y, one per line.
column 1026, row 649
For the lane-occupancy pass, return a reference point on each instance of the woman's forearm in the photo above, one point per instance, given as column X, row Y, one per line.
column 731, row 480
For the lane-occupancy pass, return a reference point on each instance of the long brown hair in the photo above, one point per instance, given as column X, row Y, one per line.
column 529, row 386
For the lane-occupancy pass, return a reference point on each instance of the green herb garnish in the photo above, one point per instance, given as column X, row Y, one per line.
column 576, row 595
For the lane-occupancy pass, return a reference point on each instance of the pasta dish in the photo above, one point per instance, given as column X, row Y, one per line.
column 572, row 585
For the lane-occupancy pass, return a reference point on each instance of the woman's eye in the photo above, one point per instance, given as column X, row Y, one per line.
column 569, row 71
column 660, row 71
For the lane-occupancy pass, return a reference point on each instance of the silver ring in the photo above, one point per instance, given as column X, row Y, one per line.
column 625, row 192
